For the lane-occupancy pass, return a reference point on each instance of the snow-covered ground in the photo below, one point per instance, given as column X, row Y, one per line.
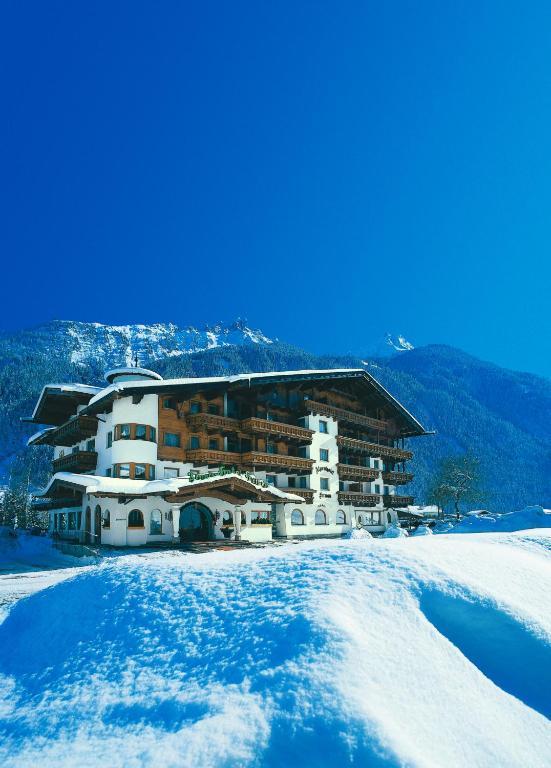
column 418, row 651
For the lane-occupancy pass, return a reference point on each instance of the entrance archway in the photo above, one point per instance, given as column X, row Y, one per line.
column 195, row 522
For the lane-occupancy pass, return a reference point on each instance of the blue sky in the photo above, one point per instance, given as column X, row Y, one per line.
column 330, row 171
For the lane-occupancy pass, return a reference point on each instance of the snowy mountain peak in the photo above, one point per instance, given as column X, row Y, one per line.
column 398, row 343
column 110, row 345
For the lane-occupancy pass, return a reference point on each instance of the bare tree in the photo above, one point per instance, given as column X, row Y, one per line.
column 458, row 480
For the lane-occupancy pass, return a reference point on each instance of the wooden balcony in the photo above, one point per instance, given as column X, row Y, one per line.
column 397, row 478
column 358, row 498
column 82, row 461
column 73, row 431
column 306, row 493
column 204, row 456
column 211, row 422
column 352, row 472
column 349, row 417
column 397, row 501
column 276, row 460
column 277, row 428
column 373, row 449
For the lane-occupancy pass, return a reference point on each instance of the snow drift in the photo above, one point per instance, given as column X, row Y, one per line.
column 326, row 653
column 529, row 517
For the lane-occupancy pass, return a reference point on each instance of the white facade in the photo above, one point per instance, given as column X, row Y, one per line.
column 141, row 521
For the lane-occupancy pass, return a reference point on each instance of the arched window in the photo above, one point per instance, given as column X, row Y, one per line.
column 106, row 518
column 227, row 517
column 79, row 520
column 156, row 522
column 297, row 518
column 389, row 517
column 341, row 517
column 320, row 517
column 135, row 518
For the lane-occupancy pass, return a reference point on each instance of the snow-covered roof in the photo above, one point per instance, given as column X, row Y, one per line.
column 37, row 435
column 94, row 484
column 167, row 384
column 62, row 390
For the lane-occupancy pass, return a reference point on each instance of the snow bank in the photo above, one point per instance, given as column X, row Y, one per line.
column 357, row 533
column 394, row 532
column 20, row 551
column 529, row 517
column 422, row 530
column 330, row 653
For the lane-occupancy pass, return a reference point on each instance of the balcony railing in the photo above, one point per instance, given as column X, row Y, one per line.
column 266, row 426
column 212, row 422
column 207, row 456
column 259, row 459
column 73, row 431
column 373, row 449
column 358, row 498
column 82, row 461
column 397, row 501
column 353, row 472
column 341, row 414
column 397, row 478
column 306, row 493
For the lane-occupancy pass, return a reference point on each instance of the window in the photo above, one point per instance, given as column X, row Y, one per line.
column 139, row 471
column 320, row 517
column 386, row 490
column 271, row 448
column 72, row 521
column 171, row 472
column 123, row 470
column 302, row 482
column 213, row 444
column 297, row 518
column 141, row 431
column 195, row 406
column 172, row 439
column 271, row 479
column 389, row 517
column 323, row 427
column 109, row 440
column 324, row 454
column 79, row 519
column 55, row 521
column 108, row 472
column 151, row 471
column 169, row 402
column 152, row 434
column 106, row 519
column 135, row 518
column 194, row 442
column 213, row 408
column 124, row 431
column 340, row 519
column 91, row 445
column 291, row 482
column 76, row 449
column 156, row 522
column 61, row 521
column 376, row 464
column 324, row 483
column 377, row 488
column 227, row 517
column 260, row 517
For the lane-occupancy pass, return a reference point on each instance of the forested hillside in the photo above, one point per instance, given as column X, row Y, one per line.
column 502, row 416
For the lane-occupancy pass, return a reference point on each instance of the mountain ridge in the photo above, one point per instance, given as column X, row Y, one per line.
column 504, row 416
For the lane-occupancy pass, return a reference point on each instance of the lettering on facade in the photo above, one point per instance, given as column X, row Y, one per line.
column 193, row 475
column 325, row 469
